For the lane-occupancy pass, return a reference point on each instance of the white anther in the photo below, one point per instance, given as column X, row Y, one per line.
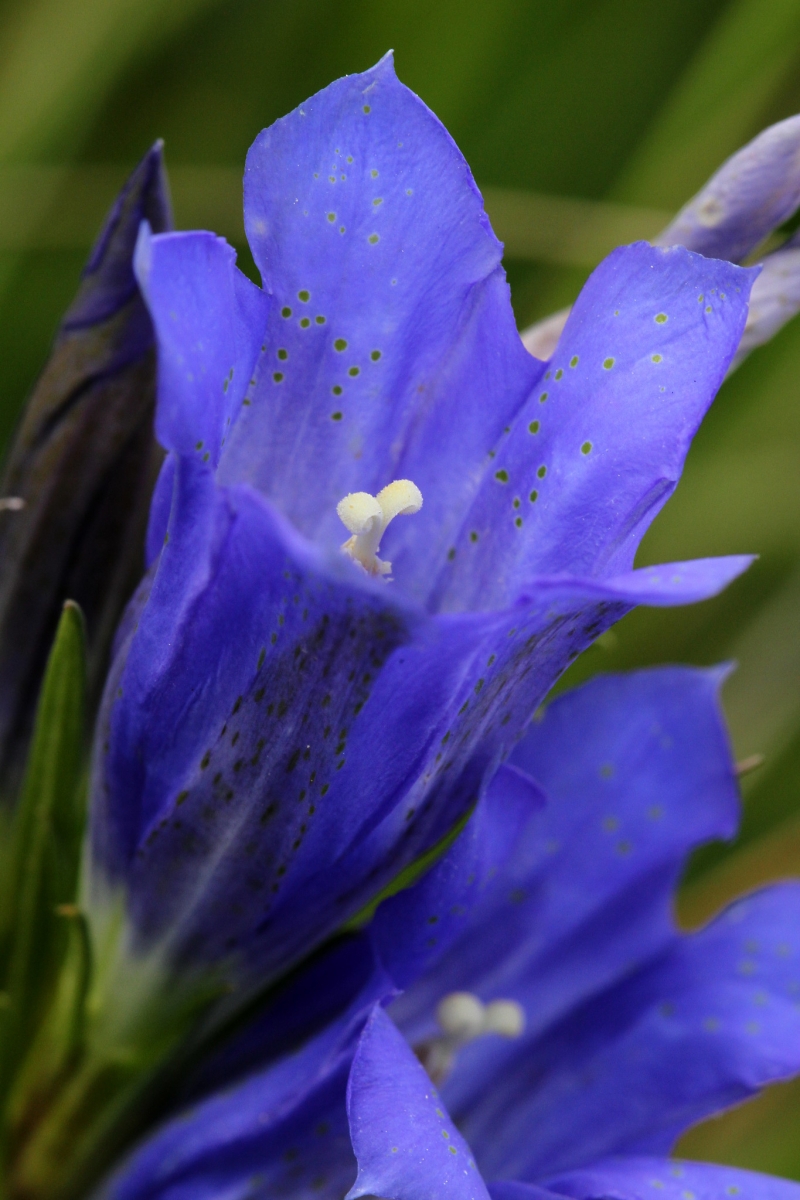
column 463, row 1018
column 11, row 503
column 367, row 516
column 505, row 1017
column 461, row 1015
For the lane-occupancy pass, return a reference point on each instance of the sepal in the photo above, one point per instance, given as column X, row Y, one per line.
column 59, row 1039
column 45, row 843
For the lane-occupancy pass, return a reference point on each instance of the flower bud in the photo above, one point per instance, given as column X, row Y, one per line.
column 79, row 472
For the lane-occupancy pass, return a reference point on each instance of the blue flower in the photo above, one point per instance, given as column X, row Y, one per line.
column 572, row 1030
column 283, row 731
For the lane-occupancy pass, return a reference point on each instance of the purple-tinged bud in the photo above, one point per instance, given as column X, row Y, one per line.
column 752, row 193
column 774, row 300
column 81, row 467
column 541, row 339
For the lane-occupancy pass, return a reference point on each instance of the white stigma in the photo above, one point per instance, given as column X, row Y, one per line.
column 462, row 1018
column 367, row 516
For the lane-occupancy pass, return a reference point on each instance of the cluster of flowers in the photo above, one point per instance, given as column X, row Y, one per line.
column 364, row 918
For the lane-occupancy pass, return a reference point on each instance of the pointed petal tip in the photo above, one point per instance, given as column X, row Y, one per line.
column 720, row 673
column 109, row 280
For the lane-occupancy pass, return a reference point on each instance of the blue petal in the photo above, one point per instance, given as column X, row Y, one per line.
column 405, row 1143
column 292, row 1013
column 660, row 1179
column 704, row 1027
column 209, row 321
column 578, row 930
column 160, row 507
column 587, row 892
column 598, row 448
column 283, row 1128
column 276, row 727
column 414, row 929
column 512, row 1189
column 756, row 190
column 391, row 310
column 207, row 790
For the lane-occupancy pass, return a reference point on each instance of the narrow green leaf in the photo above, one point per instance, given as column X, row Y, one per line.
column 59, row 1038
column 45, row 842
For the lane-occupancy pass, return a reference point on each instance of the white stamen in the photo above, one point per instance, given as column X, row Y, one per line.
column 367, row 516
column 462, row 1018
column 461, row 1015
column 505, row 1017
column 11, row 503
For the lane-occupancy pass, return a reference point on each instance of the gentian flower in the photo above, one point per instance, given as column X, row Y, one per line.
column 381, row 531
column 284, row 731
column 573, row 1031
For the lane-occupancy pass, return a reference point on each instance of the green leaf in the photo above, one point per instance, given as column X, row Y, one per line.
column 45, row 844
column 59, row 1039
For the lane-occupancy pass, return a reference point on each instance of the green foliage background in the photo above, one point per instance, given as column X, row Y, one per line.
column 636, row 101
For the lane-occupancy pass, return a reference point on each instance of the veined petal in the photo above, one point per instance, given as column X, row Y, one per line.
column 597, row 449
column 298, row 1009
column 391, row 349
column 412, row 930
column 209, row 321
column 632, row 1031
column 406, row 1145
column 703, row 1028
column 639, row 1178
column 285, row 1126
column 316, row 753
column 587, row 892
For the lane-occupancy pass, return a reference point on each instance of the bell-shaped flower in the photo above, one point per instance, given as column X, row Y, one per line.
column 556, row 1030
column 284, row 730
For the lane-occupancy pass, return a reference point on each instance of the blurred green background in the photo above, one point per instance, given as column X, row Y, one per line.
column 586, row 122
